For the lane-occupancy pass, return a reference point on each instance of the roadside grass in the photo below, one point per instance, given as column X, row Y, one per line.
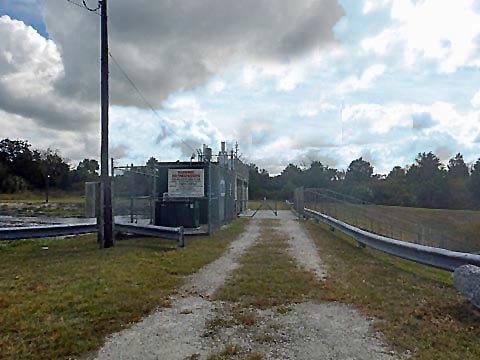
column 268, row 204
column 420, row 312
column 456, row 230
column 268, row 276
column 57, row 210
column 55, row 197
column 60, row 298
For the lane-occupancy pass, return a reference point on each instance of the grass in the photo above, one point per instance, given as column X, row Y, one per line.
column 56, row 197
column 268, row 204
column 62, row 210
column 60, row 298
column 268, row 276
column 451, row 229
column 419, row 309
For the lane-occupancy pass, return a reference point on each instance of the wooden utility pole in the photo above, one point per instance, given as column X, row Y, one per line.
column 105, row 221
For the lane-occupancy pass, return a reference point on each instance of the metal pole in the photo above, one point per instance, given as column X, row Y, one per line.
column 112, row 166
column 209, row 198
column 47, row 188
column 154, row 195
column 130, row 190
column 106, row 224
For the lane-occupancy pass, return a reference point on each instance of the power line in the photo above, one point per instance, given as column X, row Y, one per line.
column 83, row 7
column 149, row 105
column 125, row 75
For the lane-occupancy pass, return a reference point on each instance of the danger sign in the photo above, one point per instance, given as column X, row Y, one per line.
column 185, row 183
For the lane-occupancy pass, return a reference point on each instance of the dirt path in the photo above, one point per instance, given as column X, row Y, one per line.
column 301, row 247
column 176, row 332
column 306, row 331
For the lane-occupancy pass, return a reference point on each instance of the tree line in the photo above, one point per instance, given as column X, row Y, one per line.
column 426, row 183
column 24, row 168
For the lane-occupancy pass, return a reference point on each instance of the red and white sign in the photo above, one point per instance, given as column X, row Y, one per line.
column 186, row 183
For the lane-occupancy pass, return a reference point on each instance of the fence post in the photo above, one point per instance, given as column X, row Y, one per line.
column 181, row 237
column 153, row 195
column 210, row 198
column 112, row 187
column 131, row 184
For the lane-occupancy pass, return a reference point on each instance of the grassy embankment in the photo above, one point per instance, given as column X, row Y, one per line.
column 61, row 204
column 55, row 197
column 452, row 229
column 62, row 301
column 419, row 311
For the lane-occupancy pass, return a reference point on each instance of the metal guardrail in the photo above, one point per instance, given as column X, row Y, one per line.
column 153, row 230
column 31, row 232
column 427, row 255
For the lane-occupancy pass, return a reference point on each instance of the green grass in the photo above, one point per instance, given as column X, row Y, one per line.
column 42, row 210
column 62, row 301
column 451, row 229
column 268, row 276
column 419, row 309
column 56, row 197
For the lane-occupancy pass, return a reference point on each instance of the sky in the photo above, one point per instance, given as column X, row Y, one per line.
column 290, row 81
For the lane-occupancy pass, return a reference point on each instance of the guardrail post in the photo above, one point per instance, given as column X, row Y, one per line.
column 181, row 237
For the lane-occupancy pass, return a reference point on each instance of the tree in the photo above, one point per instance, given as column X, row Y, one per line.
column 426, row 180
column 474, row 184
column 458, row 178
column 20, row 161
column 359, row 170
column 152, row 162
column 87, row 170
column 56, row 169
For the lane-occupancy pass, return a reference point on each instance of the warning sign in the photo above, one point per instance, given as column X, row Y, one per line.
column 185, row 183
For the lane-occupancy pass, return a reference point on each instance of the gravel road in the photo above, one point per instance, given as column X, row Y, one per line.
column 176, row 332
column 301, row 246
column 307, row 331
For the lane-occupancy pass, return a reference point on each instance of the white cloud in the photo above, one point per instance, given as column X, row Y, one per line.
column 216, row 87
column 311, row 109
column 476, row 100
column 286, row 76
column 363, row 82
column 372, row 5
column 440, row 30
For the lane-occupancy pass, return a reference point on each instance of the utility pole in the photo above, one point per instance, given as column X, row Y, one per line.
column 105, row 222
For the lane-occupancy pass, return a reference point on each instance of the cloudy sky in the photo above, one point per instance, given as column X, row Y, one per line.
column 291, row 81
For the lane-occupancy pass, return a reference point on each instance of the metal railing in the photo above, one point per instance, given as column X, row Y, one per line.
column 427, row 255
column 32, row 232
column 176, row 233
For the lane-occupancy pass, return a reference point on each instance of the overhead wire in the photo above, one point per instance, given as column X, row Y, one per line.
column 82, row 7
column 140, row 94
column 128, row 78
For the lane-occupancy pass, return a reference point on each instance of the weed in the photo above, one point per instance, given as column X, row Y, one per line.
column 62, row 302
column 254, row 356
column 268, row 276
column 420, row 311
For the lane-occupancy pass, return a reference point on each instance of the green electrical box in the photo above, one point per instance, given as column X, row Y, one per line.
column 176, row 212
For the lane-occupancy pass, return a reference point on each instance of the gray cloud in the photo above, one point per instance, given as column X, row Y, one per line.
column 165, row 46
column 171, row 45
column 422, row 121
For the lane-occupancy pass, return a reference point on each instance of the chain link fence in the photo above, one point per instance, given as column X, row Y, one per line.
column 455, row 230
column 137, row 190
column 135, row 193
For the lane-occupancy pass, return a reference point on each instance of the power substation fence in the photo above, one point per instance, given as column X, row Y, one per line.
column 220, row 194
column 134, row 193
column 411, row 225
